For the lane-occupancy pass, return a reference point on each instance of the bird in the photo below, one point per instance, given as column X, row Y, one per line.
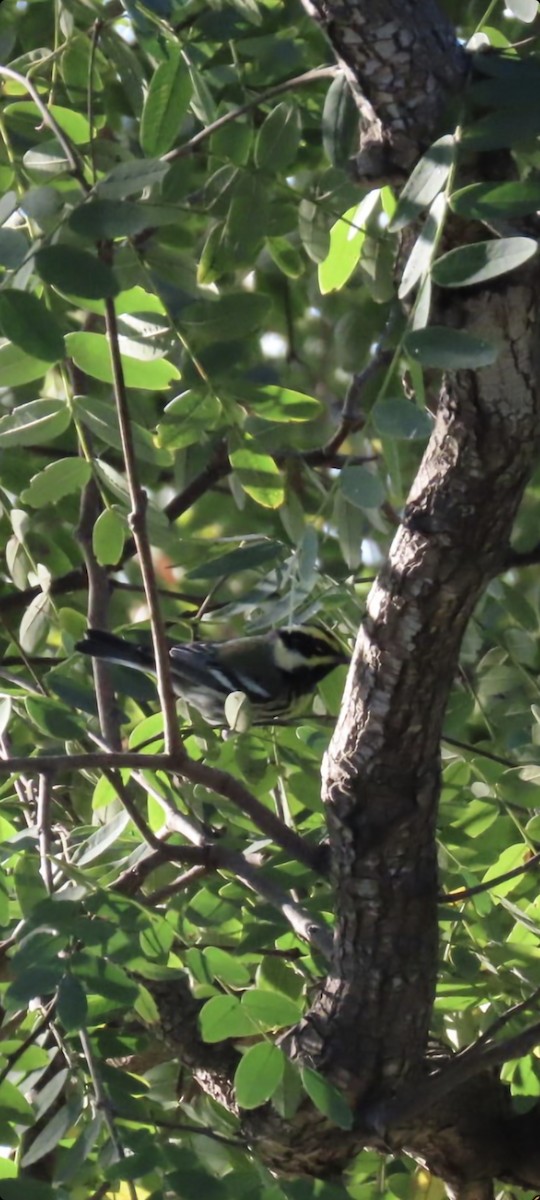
column 275, row 671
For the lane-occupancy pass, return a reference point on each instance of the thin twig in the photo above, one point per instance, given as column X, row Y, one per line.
column 286, row 86
column 102, row 1102
column 504, row 762
column 13, row 1058
column 177, row 885
column 44, row 830
column 500, row 1022
column 465, row 893
column 97, row 614
column 75, row 163
column 139, row 502
column 352, row 418
column 522, row 558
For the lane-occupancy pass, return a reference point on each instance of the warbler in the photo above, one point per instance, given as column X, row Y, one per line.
column 276, row 671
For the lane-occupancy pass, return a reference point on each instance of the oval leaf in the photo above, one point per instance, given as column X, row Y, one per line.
column 76, row 272
column 327, row 1098
column 258, row 476
column 427, row 180
column 56, row 480
column 71, row 1005
column 258, row 1074
column 481, row 261
column 361, row 487
column 221, row 1017
column 346, row 240
column 108, row 537
column 271, row 1009
column 27, row 322
column 339, row 121
column 449, row 349
column 278, row 138
column 16, row 367
column 91, row 353
column 167, row 102
column 487, row 200
column 34, row 423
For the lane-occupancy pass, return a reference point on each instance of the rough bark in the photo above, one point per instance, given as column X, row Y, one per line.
column 403, row 63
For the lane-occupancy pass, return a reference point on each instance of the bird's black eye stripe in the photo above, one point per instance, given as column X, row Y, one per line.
column 304, row 643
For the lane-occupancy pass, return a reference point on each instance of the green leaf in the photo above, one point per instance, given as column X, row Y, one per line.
column 101, row 418
column 107, row 219
column 258, row 476
column 202, row 101
column 27, row 322
column 274, row 403
column 339, row 121
column 104, row 978
column 346, row 241
column 350, row 529
column 14, row 1106
column 221, row 1017
column 226, row 967
column 34, row 424
column 35, row 623
column 484, row 201
column 481, row 261
column 166, row 103
column 245, row 558
column 187, row 418
column 271, row 1010
column 286, row 257
column 53, row 718
column 278, row 976
column 108, row 537
column 91, row 353
column 13, row 248
column 34, row 981
column 314, row 235
column 76, row 272
column 361, row 487
column 217, row 320
column 25, row 1188
column 49, row 1137
column 258, row 1074
column 327, row 1098
column 278, row 138
column 439, row 346
column 71, row 1006
column 512, row 127
column 397, row 417
column 17, row 368
column 106, row 835
column 73, row 123
column 419, row 260
column 128, row 178
column 57, row 480
column 425, row 183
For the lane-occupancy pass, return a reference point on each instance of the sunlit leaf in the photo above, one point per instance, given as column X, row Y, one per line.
column 481, row 261
column 166, row 103
column 258, row 1074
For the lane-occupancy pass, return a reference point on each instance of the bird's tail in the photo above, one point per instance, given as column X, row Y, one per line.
column 99, row 644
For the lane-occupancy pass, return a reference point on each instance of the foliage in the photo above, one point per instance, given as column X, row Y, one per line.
column 156, row 163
